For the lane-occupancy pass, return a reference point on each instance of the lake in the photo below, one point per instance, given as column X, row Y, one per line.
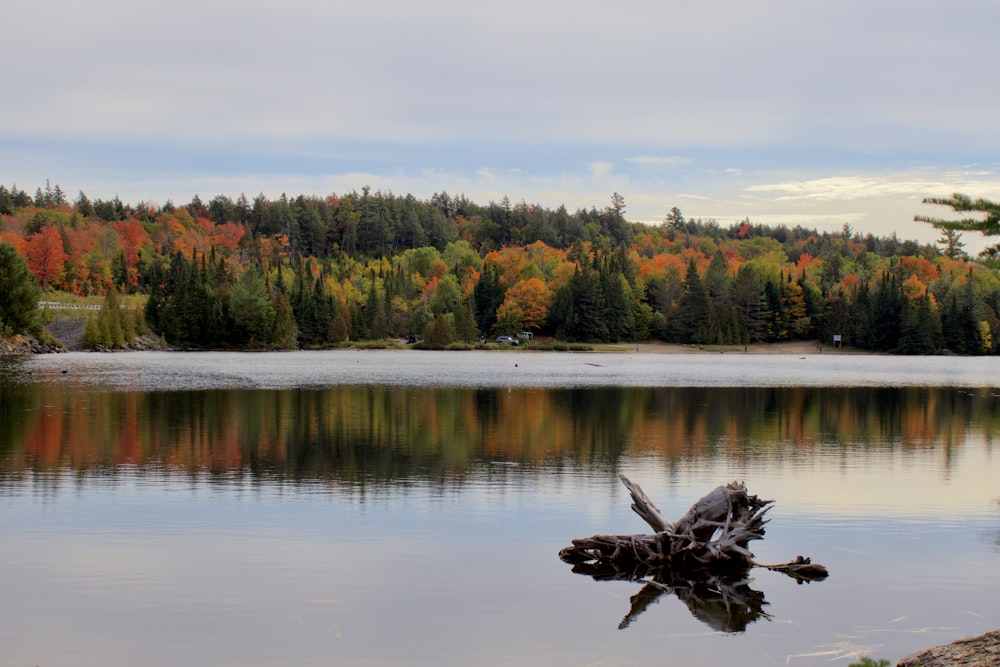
column 407, row 508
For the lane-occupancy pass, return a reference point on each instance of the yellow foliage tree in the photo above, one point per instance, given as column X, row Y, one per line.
column 533, row 298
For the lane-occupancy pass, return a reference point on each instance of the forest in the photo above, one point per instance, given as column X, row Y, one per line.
column 310, row 272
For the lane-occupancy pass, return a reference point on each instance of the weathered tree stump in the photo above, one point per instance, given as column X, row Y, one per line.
column 703, row 558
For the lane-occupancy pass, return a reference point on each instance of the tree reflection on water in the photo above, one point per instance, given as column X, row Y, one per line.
column 363, row 434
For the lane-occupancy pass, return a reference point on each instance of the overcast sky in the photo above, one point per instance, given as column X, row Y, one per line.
column 795, row 112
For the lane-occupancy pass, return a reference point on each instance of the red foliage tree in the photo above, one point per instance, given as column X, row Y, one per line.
column 46, row 256
column 132, row 237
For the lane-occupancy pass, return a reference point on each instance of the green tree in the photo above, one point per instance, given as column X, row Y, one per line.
column 921, row 328
column 674, row 219
column 751, row 303
column 284, row 332
column 110, row 321
column 19, row 293
column 694, row 308
column 465, row 323
column 439, row 333
column 986, row 220
column 587, row 318
column 447, row 296
column 6, row 201
column 952, row 244
column 251, row 308
column 487, row 296
column 510, row 318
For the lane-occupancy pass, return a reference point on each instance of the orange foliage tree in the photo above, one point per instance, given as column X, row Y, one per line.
column 46, row 256
column 132, row 237
column 533, row 299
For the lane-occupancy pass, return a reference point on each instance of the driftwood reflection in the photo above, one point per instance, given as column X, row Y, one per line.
column 725, row 604
column 703, row 558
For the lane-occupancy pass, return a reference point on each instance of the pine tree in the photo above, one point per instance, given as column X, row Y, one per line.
column 751, row 304
column 487, row 296
column 311, row 327
column 694, row 307
column 92, row 338
column 6, row 201
column 252, row 309
column 19, row 293
column 284, row 333
column 465, row 323
column 587, row 319
column 986, row 221
column 439, row 333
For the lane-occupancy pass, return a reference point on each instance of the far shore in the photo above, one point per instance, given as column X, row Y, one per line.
column 799, row 347
column 69, row 332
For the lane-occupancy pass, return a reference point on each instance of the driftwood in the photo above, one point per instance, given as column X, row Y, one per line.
column 702, row 558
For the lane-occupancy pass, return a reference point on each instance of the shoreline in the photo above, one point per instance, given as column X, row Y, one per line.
column 69, row 332
column 799, row 347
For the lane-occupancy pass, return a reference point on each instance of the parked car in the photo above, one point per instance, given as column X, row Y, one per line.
column 507, row 340
column 525, row 335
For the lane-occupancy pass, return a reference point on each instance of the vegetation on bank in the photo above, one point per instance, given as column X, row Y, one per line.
column 315, row 272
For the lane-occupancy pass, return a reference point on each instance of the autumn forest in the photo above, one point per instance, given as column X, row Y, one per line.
column 315, row 272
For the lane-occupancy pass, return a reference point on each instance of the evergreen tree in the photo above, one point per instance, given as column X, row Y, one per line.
column 952, row 244
column 6, row 201
column 284, row 333
column 487, row 296
column 887, row 314
column 92, row 338
column 986, row 220
column 376, row 320
column 862, row 325
column 109, row 319
column 252, row 309
column 19, row 294
column 587, row 319
column 776, row 324
column 751, row 303
column 674, row 220
column 439, row 333
column 306, row 302
column 619, row 304
column 921, row 332
column 561, row 311
column 694, row 307
column 465, row 323
column 836, row 317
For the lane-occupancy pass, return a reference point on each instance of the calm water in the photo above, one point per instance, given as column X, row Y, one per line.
column 405, row 508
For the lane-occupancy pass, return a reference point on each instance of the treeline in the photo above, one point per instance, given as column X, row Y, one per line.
column 317, row 271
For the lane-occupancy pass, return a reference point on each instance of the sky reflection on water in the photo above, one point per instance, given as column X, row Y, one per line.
column 225, row 370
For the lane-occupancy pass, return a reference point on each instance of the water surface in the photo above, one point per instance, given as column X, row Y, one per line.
column 384, row 507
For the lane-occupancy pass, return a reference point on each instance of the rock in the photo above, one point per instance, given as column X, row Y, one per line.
column 68, row 330
column 20, row 345
column 981, row 651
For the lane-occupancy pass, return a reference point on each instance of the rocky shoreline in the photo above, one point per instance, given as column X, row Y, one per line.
column 21, row 345
column 66, row 335
column 981, row 651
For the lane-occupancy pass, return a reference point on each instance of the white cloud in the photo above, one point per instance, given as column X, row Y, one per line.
column 669, row 161
column 773, row 110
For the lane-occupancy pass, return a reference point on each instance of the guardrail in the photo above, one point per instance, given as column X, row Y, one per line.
column 56, row 305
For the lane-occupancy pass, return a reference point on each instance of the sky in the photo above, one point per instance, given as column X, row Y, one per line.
column 794, row 112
